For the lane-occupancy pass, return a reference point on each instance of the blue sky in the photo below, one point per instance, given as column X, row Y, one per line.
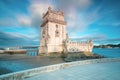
column 86, row 19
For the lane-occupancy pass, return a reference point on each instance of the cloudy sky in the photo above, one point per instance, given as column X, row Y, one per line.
column 86, row 19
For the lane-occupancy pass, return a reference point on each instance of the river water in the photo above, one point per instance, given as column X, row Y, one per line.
column 110, row 53
column 18, row 63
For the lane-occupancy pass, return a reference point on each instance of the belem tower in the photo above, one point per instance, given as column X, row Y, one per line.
column 54, row 37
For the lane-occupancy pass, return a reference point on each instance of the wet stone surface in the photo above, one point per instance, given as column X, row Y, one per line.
column 97, row 71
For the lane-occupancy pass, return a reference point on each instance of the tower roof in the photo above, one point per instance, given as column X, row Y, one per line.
column 49, row 8
column 58, row 12
column 53, row 16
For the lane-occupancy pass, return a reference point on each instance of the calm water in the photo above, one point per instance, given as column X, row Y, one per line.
column 28, row 62
column 111, row 53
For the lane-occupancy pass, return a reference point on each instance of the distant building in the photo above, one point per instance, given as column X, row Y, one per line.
column 31, row 50
column 54, row 37
column 27, row 50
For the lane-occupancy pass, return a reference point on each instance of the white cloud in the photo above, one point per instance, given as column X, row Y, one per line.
column 24, row 36
column 37, row 9
column 24, row 20
column 78, row 22
column 94, row 37
column 84, row 3
column 109, row 24
column 8, row 22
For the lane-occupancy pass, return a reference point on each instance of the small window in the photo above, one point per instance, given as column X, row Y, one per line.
column 56, row 26
column 56, row 34
column 43, row 31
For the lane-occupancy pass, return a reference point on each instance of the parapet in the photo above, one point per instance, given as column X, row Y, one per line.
column 81, row 43
column 53, row 16
column 58, row 12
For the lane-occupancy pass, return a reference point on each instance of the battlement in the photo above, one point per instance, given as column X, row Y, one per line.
column 54, row 12
column 79, row 46
column 53, row 16
column 80, row 43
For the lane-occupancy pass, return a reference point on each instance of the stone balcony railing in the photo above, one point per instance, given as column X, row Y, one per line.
column 53, row 20
column 31, row 72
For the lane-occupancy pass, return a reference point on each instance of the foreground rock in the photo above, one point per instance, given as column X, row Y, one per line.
column 81, row 56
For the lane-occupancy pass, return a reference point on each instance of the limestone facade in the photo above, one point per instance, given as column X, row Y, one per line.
column 54, row 37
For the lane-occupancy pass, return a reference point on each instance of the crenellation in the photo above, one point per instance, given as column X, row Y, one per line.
column 80, row 46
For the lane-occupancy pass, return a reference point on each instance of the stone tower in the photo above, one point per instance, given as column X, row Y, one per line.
column 53, row 32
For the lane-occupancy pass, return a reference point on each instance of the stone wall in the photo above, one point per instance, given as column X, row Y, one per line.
column 31, row 72
column 79, row 46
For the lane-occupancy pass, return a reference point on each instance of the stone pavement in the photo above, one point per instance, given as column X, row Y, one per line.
column 98, row 71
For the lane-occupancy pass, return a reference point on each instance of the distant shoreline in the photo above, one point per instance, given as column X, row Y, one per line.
column 107, row 46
